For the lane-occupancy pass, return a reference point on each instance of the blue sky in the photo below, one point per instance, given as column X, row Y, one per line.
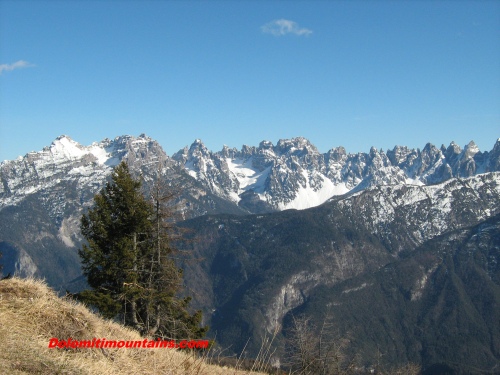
column 350, row 73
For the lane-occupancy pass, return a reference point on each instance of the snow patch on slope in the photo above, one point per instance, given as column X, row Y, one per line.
column 100, row 153
column 308, row 197
column 248, row 177
column 189, row 166
column 65, row 148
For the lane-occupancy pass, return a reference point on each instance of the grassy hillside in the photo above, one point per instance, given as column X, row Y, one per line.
column 31, row 314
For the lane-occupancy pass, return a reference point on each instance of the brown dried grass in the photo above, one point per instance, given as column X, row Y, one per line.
column 31, row 314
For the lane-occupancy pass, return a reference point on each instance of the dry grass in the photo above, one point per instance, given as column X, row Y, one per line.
column 31, row 314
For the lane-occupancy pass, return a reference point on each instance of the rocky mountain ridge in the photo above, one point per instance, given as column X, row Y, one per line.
column 290, row 174
column 293, row 174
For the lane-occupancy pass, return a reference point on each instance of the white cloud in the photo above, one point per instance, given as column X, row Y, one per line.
column 283, row 27
column 17, row 65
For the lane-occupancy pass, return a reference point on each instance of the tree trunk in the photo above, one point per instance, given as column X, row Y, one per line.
column 133, row 303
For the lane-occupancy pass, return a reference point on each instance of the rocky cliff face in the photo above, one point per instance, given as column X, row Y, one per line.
column 293, row 174
column 435, row 306
column 408, row 215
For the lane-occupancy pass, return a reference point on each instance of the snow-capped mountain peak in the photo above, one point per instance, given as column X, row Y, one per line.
column 66, row 159
column 470, row 150
column 298, row 145
column 290, row 174
column 293, row 174
column 64, row 147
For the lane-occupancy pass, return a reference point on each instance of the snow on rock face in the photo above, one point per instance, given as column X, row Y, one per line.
column 433, row 209
column 307, row 196
column 63, row 159
column 470, row 150
column 67, row 160
column 65, row 148
column 290, row 174
column 293, row 174
column 247, row 176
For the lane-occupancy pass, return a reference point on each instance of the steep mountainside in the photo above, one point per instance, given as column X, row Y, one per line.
column 438, row 305
column 258, row 269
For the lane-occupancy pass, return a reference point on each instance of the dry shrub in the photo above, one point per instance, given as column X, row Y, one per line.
column 31, row 314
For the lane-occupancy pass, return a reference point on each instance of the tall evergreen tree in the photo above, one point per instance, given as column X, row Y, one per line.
column 128, row 261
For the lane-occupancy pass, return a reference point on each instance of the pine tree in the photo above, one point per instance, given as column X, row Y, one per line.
column 163, row 314
column 128, row 261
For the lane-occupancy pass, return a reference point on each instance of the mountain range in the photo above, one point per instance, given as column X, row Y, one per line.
column 400, row 247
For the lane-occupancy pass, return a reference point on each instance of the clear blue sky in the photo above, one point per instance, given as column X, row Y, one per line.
column 351, row 73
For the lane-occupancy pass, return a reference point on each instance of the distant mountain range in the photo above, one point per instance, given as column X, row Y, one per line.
column 406, row 239
column 290, row 174
column 293, row 174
